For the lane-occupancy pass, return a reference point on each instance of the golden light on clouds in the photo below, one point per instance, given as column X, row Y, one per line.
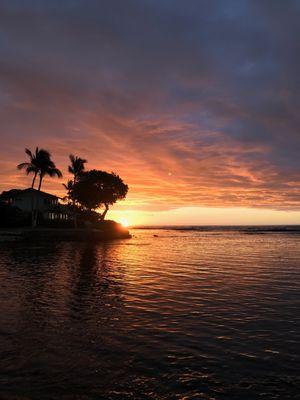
column 190, row 132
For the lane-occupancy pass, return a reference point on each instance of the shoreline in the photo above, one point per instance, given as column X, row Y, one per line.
column 62, row 234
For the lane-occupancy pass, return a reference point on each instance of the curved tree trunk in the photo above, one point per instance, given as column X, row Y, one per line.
column 33, row 180
column 74, row 214
column 40, row 182
column 35, row 212
column 104, row 212
column 74, row 204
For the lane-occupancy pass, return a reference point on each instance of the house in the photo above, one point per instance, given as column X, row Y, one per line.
column 45, row 203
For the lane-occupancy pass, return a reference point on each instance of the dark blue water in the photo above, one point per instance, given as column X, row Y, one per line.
column 186, row 315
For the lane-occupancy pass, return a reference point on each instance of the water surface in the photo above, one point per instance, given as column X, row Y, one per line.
column 185, row 315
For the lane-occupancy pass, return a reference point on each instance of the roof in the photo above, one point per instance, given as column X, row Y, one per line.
column 16, row 192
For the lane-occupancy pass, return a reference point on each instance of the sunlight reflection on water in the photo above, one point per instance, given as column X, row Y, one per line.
column 193, row 315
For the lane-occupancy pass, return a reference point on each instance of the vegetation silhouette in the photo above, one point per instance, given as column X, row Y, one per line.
column 40, row 164
column 50, row 170
column 36, row 160
column 76, row 168
column 89, row 194
column 69, row 189
column 95, row 189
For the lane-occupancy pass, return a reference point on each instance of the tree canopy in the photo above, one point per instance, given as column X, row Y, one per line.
column 95, row 189
column 77, row 166
column 36, row 161
column 39, row 163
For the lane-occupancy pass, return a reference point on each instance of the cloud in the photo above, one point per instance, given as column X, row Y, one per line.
column 193, row 104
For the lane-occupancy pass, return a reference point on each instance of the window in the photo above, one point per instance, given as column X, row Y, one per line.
column 52, row 216
column 50, row 201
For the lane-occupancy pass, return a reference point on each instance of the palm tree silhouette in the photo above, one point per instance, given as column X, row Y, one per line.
column 77, row 166
column 48, row 168
column 69, row 188
column 40, row 164
column 36, row 160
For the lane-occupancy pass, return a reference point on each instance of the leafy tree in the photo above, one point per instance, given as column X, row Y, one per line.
column 95, row 189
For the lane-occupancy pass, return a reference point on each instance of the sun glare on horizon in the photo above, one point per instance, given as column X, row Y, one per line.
column 124, row 222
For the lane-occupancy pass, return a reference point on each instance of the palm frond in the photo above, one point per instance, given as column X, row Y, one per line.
column 77, row 165
column 29, row 153
column 31, row 168
column 23, row 165
column 40, row 163
column 53, row 172
column 43, row 155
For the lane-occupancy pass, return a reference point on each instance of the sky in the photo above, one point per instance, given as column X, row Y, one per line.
column 194, row 103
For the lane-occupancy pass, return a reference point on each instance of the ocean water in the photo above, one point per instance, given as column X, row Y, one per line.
column 168, row 314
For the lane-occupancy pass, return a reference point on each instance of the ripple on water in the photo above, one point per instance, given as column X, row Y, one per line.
column 186, row 315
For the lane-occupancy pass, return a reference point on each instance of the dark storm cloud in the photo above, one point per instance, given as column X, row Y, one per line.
column 193, row 102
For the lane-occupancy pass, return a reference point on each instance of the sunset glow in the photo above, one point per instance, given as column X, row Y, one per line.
column 149, row 199
column 124, row 222
column 192, row 130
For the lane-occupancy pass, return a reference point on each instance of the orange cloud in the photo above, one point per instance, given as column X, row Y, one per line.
column 183, row 102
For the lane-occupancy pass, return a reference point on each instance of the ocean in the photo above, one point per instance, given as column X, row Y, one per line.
column 186, row 313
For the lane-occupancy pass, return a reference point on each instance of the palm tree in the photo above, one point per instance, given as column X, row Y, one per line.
column 40, row 164
column 69, row 188
column 77, row 166
column 49, row 169
column 36, row 161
